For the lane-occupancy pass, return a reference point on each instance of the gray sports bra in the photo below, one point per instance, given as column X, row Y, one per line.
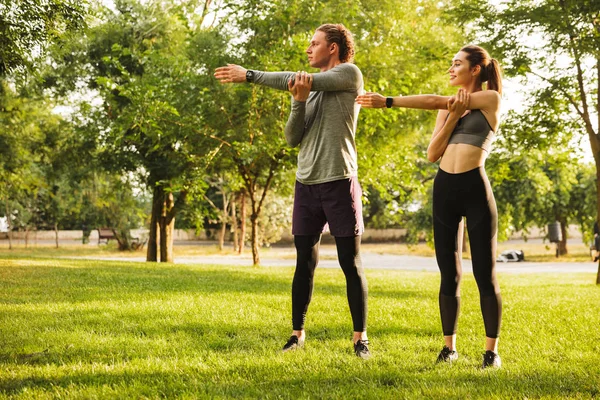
column 473, row 129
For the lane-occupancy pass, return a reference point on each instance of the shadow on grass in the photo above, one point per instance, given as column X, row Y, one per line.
column 339, row 378
column 83, row 281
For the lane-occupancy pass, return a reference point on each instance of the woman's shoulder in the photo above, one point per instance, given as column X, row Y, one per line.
column 489, row 96
column 486, row 100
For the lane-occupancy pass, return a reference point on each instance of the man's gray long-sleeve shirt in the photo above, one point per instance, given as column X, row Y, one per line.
column 325, row 125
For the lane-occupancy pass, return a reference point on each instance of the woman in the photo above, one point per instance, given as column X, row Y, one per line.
column 462, row 137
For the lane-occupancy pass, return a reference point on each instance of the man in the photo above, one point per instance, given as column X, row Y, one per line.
column 323, row 124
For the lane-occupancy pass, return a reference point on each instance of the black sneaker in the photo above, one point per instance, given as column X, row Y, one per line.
column 447, row 355
column 361, row 349
column 491, row 360
column 293, row 344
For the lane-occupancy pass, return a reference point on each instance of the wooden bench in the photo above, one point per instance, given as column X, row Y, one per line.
column 106, row 234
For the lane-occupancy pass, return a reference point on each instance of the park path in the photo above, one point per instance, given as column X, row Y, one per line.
column 328, row 259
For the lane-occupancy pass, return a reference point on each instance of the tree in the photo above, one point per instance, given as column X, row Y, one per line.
column 396, row 53
column 27, row 27
column 564, row 57
column 141, row 61
column 24, row 121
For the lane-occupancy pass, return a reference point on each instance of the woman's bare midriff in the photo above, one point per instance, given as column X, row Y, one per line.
column 462, row 157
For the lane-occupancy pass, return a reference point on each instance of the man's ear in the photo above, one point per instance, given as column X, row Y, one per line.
column 332, row 48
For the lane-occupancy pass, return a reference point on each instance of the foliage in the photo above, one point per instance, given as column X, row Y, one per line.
column 275, row 219
column 396, row 53
column 46, row 186
column 557, row 57
column 142, row 62
column 25, row 145
column 28, row 26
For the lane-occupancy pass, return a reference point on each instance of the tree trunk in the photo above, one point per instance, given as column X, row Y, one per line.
column 222, row 235
column 8, row 225
column 234, row 226
column 242, row 224
column 122, row 236
column 255, row 249
column 597, row 158
column 463, row 243
column 152, row 251
column 562, row 245
column 224, row 217
column 224, row 212
column 26, row 237
column 167, row 224
column 56, row 234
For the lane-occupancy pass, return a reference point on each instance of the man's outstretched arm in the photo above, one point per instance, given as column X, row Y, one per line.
column 342, row 77
column 233, row 73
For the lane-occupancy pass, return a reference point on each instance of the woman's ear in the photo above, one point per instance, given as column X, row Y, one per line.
column 476, row 70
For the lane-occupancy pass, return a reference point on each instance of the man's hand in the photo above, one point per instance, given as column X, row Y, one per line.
column 371, row 100
column 232, row 73
column 300, row 86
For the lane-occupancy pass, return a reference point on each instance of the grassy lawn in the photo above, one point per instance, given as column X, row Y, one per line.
column 99, row 329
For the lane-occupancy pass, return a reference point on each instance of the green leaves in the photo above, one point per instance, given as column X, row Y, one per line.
column 27, row 27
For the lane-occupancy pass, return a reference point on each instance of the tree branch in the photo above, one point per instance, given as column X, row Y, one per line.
column 563, row 90
column 267, row 185
column 584, row 113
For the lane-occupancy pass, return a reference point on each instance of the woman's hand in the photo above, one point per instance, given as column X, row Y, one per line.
column 300, row 86
column 371, row 100
column 459, row 103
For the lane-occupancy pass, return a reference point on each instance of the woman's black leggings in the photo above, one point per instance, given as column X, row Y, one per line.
column 348, row 249
column 454, row 196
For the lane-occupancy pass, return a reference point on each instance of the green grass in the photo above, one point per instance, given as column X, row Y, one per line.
column 98, row 329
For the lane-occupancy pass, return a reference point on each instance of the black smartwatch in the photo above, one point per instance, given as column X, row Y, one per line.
column 249, row 76
column 389, row 101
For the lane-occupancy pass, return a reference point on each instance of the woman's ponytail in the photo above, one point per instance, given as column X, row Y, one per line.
column 493, row 75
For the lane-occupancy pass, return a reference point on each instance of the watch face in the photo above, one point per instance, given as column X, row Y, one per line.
column 249, row 76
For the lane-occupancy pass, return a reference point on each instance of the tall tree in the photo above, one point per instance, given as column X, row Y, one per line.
column 141, row 61
column 555, row 43
column 21, row 147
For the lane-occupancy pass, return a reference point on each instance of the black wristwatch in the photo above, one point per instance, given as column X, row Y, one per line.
column 249, row 76
column 389, row 101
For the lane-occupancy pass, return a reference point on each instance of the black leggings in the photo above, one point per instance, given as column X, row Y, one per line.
column 454, row 196
column 348, row 249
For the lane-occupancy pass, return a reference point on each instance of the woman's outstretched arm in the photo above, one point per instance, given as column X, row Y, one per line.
column 422, row 101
